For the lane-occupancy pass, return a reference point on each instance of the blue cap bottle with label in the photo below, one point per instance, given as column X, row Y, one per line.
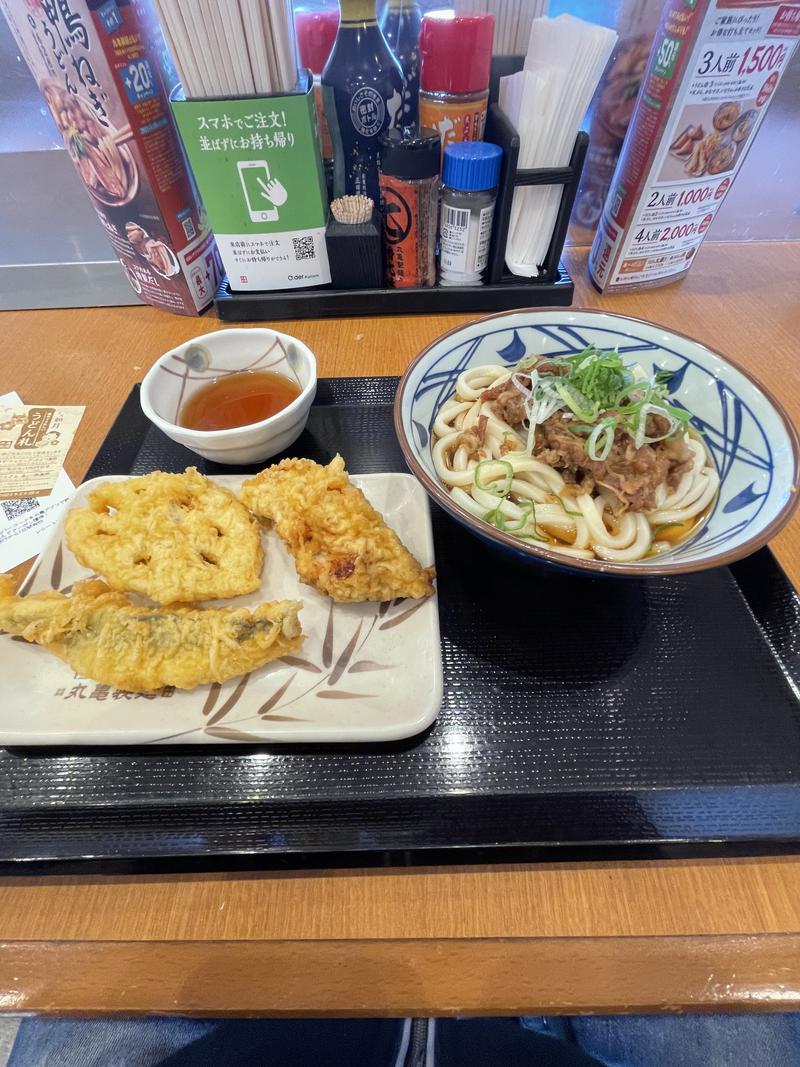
column 470, row 178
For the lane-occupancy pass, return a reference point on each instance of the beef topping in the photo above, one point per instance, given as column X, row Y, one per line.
column 632, row 474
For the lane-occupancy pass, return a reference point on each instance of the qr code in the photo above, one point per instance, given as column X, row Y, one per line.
column 188, row 229
column 303, row 247
column 13, row 509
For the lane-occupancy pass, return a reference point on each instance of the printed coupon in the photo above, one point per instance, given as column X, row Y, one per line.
column 33, row 443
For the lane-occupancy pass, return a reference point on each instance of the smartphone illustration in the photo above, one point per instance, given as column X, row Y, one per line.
column 251, row 173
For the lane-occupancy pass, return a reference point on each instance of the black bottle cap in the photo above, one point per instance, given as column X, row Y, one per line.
column 411, row 153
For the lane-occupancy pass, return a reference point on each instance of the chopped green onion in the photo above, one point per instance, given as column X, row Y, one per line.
column 508, row 471
column 527, row 509
column 574, row 514
column 527, row 362
column 592, row 385
column 666, row 526
column 681, row 414
column 578, row 404
column 601, row 440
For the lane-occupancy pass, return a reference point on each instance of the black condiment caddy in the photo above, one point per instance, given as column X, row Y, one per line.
column 501, row 290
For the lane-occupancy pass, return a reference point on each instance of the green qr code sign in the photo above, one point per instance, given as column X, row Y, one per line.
column 667, row 57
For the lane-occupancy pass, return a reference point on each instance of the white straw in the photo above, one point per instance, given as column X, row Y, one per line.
column 217, row 56
column 262, row 20
column 198, row 45
column 546, row 102
column 179, row 64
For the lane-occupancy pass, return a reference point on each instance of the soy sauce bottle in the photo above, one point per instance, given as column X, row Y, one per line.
column 362, row 92
column 400, row 23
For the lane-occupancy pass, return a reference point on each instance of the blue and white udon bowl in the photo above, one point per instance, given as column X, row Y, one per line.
column 752, row 442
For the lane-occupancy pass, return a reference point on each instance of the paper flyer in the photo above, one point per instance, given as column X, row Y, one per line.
column 34, row 441
column 27, row 521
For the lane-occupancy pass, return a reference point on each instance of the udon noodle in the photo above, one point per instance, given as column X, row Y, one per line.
column 518, row 448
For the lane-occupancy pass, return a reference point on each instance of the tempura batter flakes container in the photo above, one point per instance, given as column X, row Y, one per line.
column 258, row 165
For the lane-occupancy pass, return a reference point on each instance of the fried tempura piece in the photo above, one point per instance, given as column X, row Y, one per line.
column 340, row 544
column 176, row 538
column 103, row 636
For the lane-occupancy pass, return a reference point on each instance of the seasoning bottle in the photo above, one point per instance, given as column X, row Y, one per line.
column 400, row 24
column 455, row 59
column 362, row 91
column 316, row 32
column 471, row 174
column 410, row 202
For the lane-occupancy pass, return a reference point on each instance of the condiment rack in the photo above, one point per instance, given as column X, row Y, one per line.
column 501, row 291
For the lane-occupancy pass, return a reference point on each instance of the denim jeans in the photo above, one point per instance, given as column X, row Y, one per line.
column 612, row 1041
column 681, row 1040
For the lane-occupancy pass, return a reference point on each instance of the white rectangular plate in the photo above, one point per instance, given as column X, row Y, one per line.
column 365, row 672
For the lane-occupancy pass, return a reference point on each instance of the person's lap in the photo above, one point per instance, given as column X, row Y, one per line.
column 752, row 1040
column 612, row 1041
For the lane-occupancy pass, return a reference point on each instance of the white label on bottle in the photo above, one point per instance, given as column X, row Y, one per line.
column 455, row 233
column 484, row 237
column 367, row 111
column 465, row 239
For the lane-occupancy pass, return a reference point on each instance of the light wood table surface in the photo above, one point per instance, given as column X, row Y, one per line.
column 718, row 934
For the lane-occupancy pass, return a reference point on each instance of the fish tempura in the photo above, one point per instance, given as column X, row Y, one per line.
column 102, row 635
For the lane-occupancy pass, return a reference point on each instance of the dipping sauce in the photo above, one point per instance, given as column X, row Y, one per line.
column 237, row 400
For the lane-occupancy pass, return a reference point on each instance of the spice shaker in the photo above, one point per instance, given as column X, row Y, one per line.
column 316, row 32
column 471, row 174
column 455, row 58
column 409, row 183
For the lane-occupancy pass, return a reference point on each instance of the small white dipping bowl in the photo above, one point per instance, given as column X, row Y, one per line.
column 179, row 373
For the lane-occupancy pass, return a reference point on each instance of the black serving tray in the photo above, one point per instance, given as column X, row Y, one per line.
column 581, row 716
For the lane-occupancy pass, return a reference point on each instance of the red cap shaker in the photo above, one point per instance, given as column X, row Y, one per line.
column 455, row 60
column 316, row 32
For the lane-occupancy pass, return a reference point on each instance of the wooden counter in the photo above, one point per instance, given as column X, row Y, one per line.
column 470, row 939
